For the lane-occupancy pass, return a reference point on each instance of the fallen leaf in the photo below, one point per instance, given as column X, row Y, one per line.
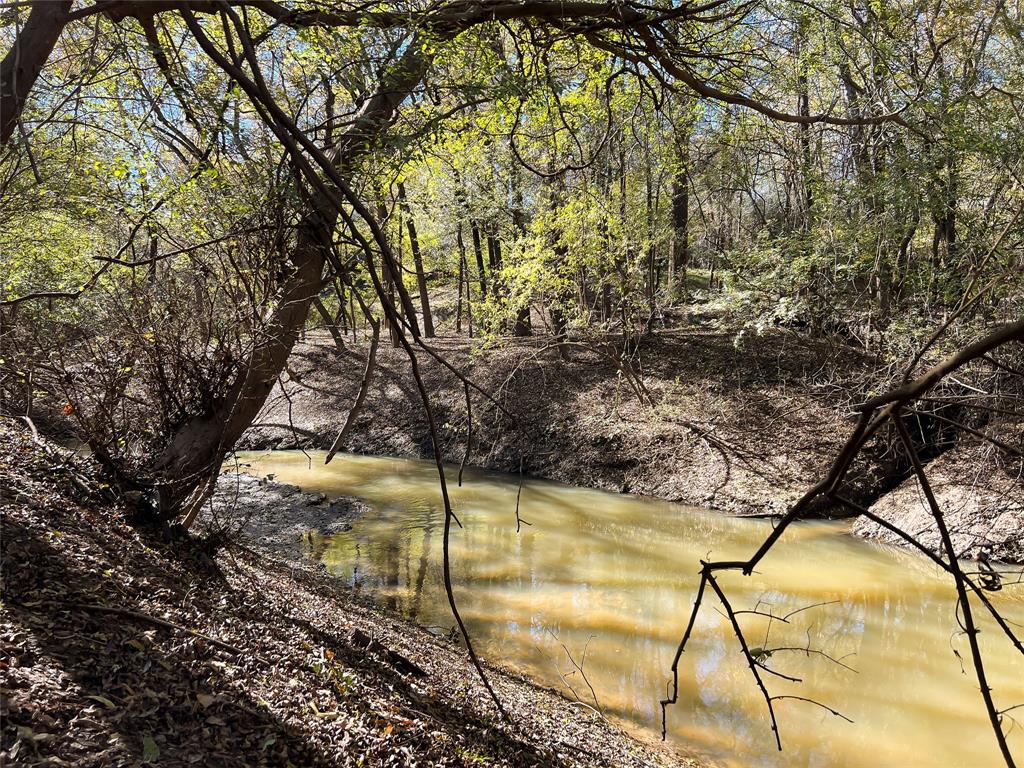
column 102, row 700
column 150, row 750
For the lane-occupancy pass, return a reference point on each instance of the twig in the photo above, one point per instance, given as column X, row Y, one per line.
column 145, row 617
column 747, row 655
column 519, row 495
column 815, row 703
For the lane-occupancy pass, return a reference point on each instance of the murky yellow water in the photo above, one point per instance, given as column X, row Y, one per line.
column 610, row 579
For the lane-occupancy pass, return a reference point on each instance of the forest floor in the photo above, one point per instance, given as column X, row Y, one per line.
column 118, row 648
column 742, row 425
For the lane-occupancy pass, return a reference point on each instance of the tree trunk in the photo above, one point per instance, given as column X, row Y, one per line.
column 329, row 323
column 652, row 250
column 187, row 468
column 464, row 271
column 20, row 68
column 556, row 194
column 804, row 110
column 417, row 257
column 462, row 277
column 522, row 325
column 494, row 259
column 479, row 251
column 341, row 319
column 387, row 279
column 189, row 464
column 681, row 218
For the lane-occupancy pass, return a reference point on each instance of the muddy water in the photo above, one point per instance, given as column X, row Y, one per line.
column 605, row 582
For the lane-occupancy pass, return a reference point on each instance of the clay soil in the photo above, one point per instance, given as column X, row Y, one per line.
column 743, row 428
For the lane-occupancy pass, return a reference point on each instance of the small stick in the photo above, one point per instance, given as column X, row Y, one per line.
column 145, row 617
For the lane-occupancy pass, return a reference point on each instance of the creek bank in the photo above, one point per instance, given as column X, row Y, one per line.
column 121, row 648
column 743, row 428
column 982, row 498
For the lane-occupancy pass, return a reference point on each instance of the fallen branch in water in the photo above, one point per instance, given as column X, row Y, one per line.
column 875, row 413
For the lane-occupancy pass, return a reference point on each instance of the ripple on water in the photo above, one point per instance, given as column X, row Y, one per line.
column 609, row 580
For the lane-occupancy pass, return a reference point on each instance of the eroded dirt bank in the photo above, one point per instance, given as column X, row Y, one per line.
column 982, row 498
column 121, row 649
column 744, row 428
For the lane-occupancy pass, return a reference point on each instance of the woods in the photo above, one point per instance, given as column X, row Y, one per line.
column 191, row 189
column 851, row 171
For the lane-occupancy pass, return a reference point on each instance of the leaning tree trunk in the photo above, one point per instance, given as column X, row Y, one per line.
column 330, row 323
column 189, row 464
column 187, row 468
column 20, row 68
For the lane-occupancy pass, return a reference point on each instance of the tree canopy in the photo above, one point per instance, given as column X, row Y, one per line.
column 186, row 185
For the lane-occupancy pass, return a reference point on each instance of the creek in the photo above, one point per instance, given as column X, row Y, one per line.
column 591, row 594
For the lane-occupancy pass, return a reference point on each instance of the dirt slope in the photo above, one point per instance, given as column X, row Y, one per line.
column 119, row 649
column 739, row 428
column 980, row 494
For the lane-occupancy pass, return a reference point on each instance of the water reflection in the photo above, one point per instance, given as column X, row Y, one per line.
column 605, row 582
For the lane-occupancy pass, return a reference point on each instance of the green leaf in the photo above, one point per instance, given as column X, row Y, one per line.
column 103, row 700
column 150, row 750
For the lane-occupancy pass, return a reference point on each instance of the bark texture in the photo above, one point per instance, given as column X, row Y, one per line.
column 23, row 63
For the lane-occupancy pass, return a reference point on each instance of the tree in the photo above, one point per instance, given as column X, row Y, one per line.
column 183, row 180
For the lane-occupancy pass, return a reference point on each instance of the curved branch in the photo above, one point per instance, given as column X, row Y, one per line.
column 25, row 61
